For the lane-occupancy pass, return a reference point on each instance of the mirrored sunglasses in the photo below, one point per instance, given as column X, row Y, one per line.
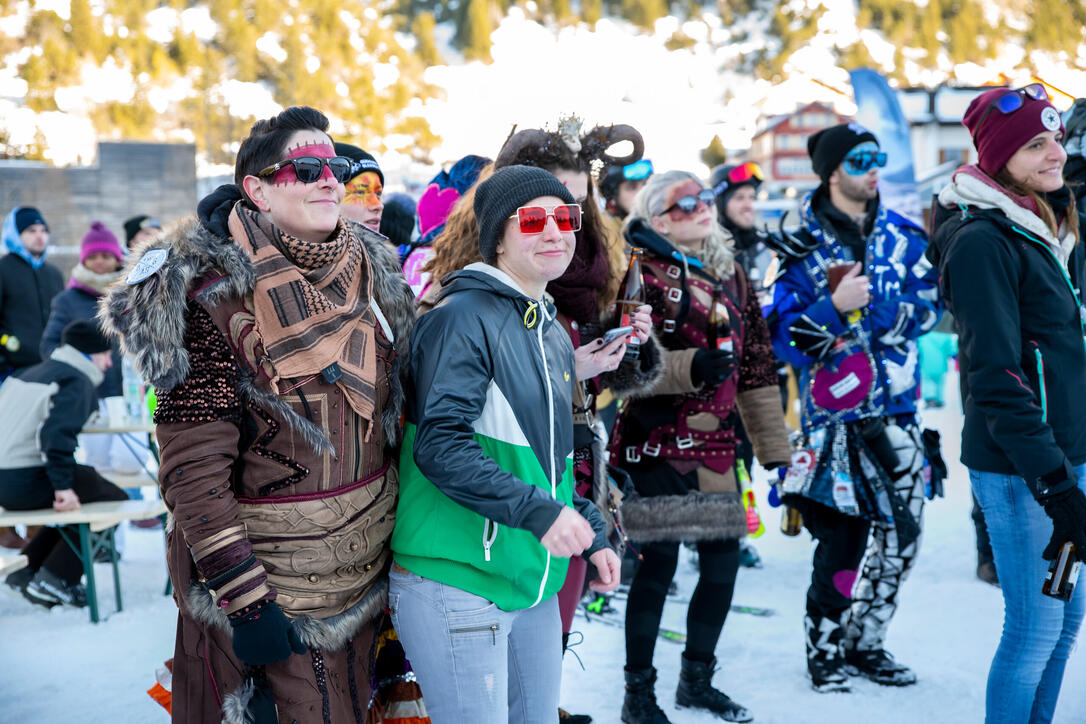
column 1010, row 102
column 533, row 219
column 308, row 169
column 862, row 162
column 638, row 170
column 689, row 204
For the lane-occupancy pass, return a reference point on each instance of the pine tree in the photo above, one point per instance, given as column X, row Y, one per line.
column 473, row 34
column 422, row 27
column 714, row 154
column 591, row 10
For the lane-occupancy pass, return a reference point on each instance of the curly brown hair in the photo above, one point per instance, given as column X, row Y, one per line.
column 458, row 244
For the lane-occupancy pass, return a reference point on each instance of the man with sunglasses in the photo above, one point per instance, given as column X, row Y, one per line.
column 619, row 185
column 846, row 314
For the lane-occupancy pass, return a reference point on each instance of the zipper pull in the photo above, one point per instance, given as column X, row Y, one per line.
column 494, row 634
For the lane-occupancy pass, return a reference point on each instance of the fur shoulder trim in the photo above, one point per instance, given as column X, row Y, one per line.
column 397, row 303
column 149, row 317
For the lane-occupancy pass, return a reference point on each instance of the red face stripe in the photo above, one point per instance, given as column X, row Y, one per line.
column 286, row 174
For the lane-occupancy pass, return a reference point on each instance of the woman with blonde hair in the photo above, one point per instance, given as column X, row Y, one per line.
column 679, row 444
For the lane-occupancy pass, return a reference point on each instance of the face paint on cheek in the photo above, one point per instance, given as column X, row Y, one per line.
column 286, row 174
column 364, row 190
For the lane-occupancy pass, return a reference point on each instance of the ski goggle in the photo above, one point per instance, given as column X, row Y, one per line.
column 533, row 219
column 743, row 173
column 637, row 170
column 1010, row 102
column 689, row 204
column 862, row 162
column 308, row 169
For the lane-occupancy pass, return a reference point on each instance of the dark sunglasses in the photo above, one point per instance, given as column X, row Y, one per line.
column 743, row 173
column 1010, row 102
column 308, row 169
column 637, row 170
column 689, row 204
column 533, row 219
column 862, row 162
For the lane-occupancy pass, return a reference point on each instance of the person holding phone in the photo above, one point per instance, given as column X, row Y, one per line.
column 488, row 517
column 678, row 444
column 855, row 294
column 1007, row 242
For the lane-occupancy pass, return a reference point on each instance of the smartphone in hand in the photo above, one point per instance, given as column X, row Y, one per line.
column 612, row 334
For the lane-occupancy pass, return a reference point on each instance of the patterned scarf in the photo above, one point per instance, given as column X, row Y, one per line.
column 311, row 303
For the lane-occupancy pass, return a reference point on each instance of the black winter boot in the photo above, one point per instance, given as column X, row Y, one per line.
column 639, row 706
column 825, row 665
column 696, row 692
column 879, row 666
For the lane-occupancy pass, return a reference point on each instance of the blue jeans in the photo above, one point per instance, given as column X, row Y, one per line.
column 473, row 661
column 1038, row 631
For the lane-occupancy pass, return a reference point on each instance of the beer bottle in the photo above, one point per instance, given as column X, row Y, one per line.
column 1062, row 573
column 720, row 330
column 631, row 295
column 791, row 521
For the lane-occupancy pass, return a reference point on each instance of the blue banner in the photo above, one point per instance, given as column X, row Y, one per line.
column 879, row 111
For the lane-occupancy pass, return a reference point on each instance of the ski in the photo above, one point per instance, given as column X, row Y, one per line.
column 683, row 600
column 667, row 634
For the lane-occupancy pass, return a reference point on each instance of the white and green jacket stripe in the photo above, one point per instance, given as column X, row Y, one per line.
column 486, row 463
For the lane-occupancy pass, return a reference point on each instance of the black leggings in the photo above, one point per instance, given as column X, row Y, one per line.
column 719, row 562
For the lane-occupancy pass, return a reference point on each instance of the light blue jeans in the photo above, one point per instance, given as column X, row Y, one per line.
column 1038, row 631
column 473, row 661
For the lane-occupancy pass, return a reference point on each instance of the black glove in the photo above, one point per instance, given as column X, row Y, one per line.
column 261, row 708
column 712, row 366
column 1068, row 513
column 264, row 635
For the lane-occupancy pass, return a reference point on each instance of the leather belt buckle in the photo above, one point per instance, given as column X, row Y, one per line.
column 674, row 272
column 684, row 443
column 669, row 325
column 674, row 294
column 651, row 450
column 632, row 456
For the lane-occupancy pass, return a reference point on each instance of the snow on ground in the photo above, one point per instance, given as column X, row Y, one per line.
column 57, row 667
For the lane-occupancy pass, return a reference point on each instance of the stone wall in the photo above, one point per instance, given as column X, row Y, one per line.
column 158, row 179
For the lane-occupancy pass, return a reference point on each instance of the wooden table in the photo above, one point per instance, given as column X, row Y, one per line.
column 94, row 523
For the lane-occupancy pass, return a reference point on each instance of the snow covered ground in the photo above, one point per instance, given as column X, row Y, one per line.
column 57, row 667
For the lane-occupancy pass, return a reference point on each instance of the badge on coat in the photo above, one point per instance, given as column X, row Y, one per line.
column 148, row 264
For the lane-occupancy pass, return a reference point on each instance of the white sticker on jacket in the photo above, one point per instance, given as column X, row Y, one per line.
column 843, row 387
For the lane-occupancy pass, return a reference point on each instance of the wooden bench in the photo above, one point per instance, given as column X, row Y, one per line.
column 129, row 480
column 10, row 564
column 94, row 524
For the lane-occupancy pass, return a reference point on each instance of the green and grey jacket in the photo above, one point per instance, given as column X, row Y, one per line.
column 486, row 464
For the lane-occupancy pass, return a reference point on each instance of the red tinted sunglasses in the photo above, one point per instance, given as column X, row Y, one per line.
column 533, row 219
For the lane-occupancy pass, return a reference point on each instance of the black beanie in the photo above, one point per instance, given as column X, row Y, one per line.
column 360, row 160
column 137, row 224
column 398, row 218
column 828, row 147
column 26, row 217
column 85, row 336
column 503, row 193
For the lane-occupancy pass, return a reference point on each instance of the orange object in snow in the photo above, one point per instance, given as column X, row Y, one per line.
column 161, row 691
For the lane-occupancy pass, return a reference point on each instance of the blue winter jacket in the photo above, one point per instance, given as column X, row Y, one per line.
column 808, row 331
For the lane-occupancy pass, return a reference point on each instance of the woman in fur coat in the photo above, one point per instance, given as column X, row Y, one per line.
column 274, row 332
column 679, row 444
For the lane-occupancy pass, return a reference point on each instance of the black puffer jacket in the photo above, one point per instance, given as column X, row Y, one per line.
column 25, row 298
column 1018, row 310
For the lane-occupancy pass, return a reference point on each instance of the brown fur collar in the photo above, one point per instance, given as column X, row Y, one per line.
column 149, row 318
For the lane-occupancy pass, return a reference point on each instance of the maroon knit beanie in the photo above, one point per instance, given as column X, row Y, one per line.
column 100, row 240
column 1001, row 135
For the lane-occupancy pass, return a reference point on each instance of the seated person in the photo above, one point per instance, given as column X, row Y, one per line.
column 47, row 404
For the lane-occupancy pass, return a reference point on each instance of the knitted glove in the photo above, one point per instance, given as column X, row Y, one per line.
column 263, row 635
column 712, row 366
column 1068, row 513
